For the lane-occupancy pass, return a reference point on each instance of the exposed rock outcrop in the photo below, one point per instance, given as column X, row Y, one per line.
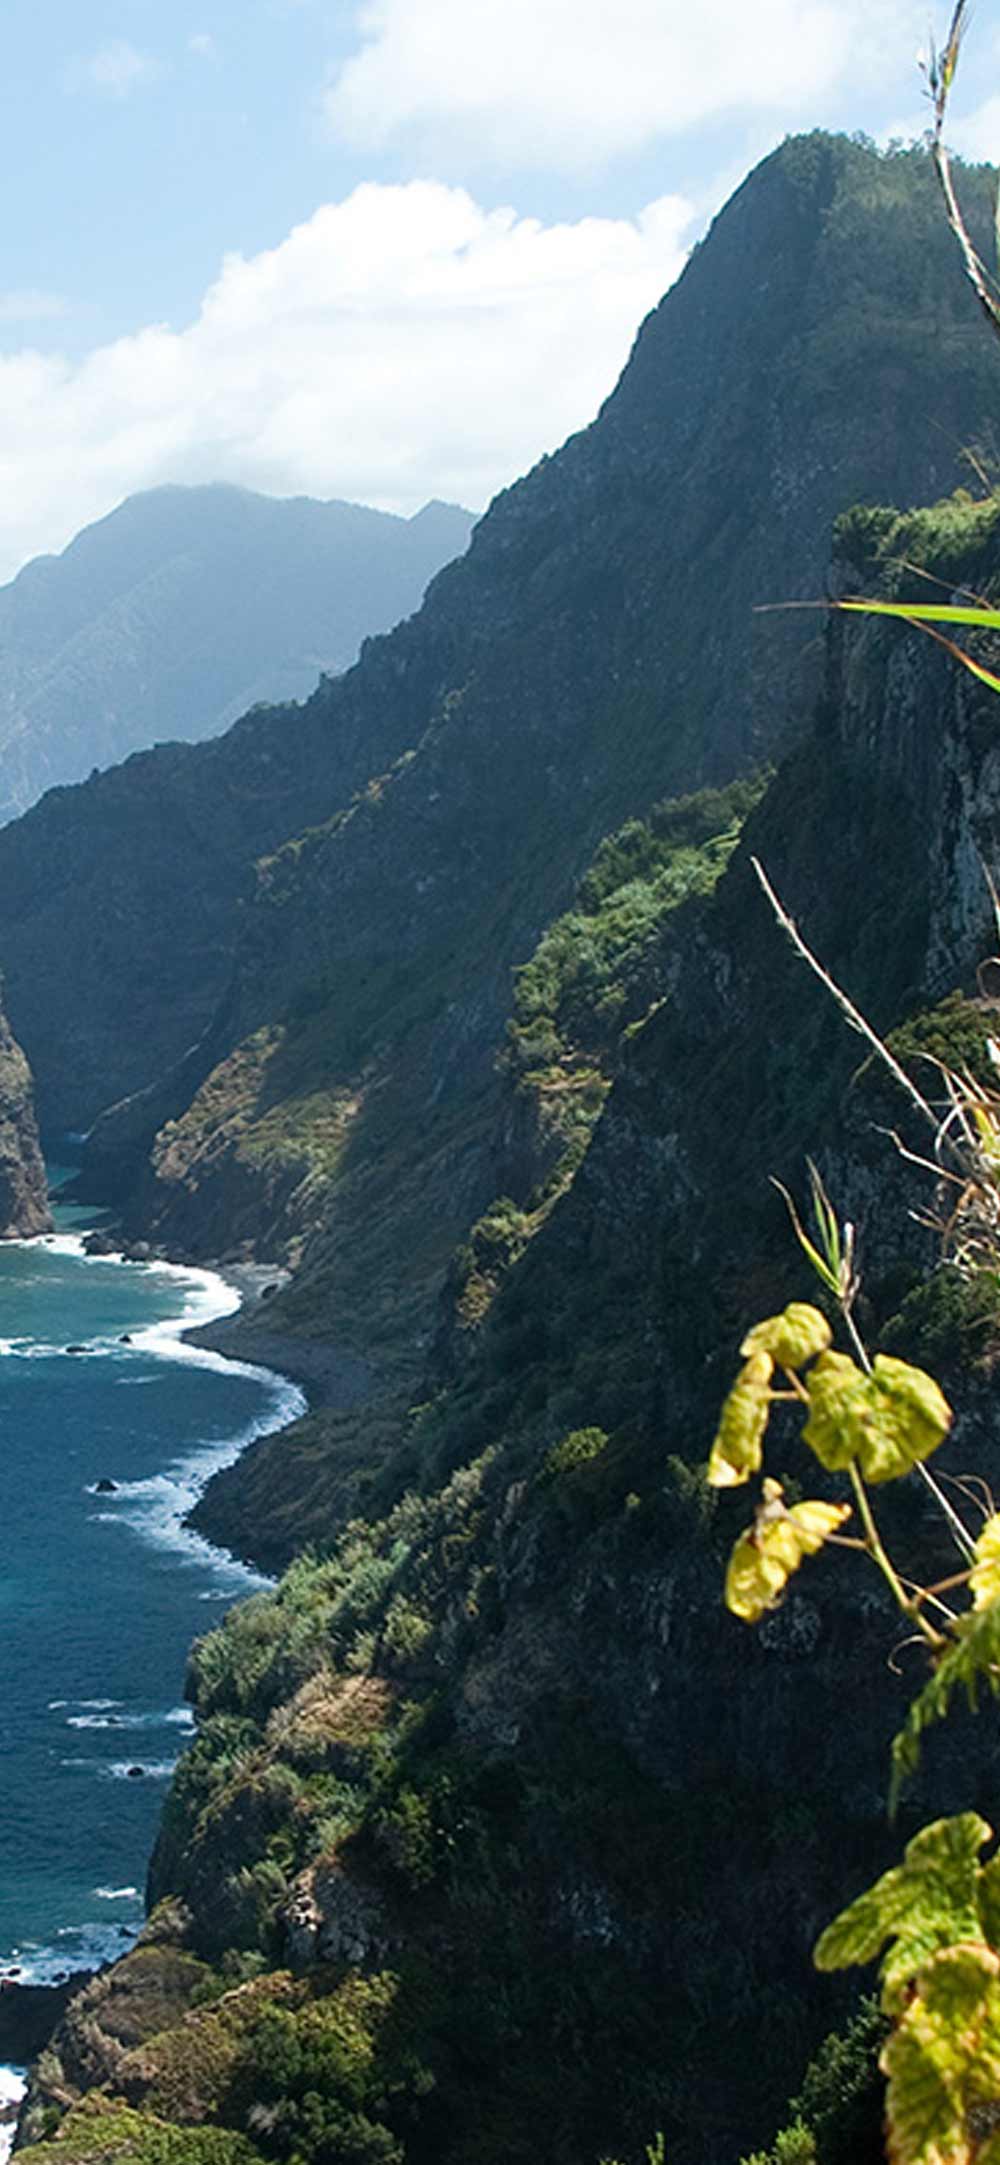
column 24, row 1207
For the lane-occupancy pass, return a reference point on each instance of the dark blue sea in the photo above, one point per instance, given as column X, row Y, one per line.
column 101, row 1594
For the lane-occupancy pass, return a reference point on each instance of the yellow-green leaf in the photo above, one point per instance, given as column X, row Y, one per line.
column 886, row 1421
column 838, row 1409
column 984, row 1578
column 765, row 1557
column 943, row 2061
column 928, row 1902
column 737, row 1449
column 919, row 1405
column 988, row 1901
column 925, row 2124
column 791, row 1338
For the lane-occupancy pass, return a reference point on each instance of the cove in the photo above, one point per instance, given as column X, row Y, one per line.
column 102, row 1589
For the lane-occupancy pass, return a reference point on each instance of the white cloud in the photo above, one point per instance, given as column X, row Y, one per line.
column 572, row 83
column 202, row 43
column 401, row 344
column 977, row 135
column 116, row 69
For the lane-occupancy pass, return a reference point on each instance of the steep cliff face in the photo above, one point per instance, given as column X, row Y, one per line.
column 595, row 648
column 606, row 656
column 24, row 1208
column 505, row 1840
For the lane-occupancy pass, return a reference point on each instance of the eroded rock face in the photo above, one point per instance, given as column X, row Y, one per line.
column 332, row 1918
column 24, row 1207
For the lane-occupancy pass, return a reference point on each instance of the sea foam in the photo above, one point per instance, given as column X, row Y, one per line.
column 12, row 2088
column 154, row 1509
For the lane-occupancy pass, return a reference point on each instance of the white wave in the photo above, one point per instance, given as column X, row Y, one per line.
column 175, row 1717
column 57, row 1243
column 12, row 2090
column 121, row 1770
column 79, row 1947
column 35, row 1349
column 157, row 1508
column 117, row 1894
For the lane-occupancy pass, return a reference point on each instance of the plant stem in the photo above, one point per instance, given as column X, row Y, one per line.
column 798, row 1389
column 878, row 1555
column 961, row 1537
column 944, row 1586
column 846, row 1006
column 932, row 1594
column 856, row 1339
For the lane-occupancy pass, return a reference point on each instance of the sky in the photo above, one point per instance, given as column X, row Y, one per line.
column 381, row 249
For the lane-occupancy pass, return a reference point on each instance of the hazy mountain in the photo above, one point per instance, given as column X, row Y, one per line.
column 184, row 607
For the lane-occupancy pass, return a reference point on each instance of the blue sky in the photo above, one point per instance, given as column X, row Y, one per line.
column 383, row 250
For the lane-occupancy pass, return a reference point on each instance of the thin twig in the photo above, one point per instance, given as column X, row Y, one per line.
column 940, row 79
column 846, row 1005
column 960, row 1535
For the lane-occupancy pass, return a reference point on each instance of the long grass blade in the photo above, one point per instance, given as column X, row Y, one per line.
column 931, row 612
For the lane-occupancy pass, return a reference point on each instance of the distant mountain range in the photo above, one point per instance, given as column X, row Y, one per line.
column 186, row 606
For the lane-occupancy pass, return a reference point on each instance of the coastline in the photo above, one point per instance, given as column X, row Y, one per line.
column 240, row 1506
column 327, row 1376
column 34, row 1988
column 240, row 1334
column 185, row 1336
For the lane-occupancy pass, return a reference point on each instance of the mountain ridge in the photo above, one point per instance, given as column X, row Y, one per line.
column 185, row 606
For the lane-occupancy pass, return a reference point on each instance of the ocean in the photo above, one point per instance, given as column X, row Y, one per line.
column 102, row 1589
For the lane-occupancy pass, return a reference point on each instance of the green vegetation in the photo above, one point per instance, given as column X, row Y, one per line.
column 594, row 978
column 599, row 968
column 98, row 2129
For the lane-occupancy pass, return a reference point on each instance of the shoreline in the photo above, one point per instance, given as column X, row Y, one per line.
column 182, row 1335
column 13, row 2090
column 31, row 2009
column 35, row 1980
column 327, row 1376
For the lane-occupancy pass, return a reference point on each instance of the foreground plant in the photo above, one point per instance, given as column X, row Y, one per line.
column 872, row 1422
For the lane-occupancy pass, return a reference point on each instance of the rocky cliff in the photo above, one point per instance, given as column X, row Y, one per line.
column 354, row 1124
column 24, row 1208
